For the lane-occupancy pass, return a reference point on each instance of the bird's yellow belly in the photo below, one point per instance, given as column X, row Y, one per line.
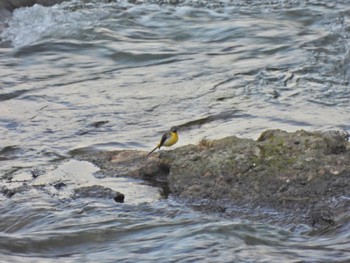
column 171, row 140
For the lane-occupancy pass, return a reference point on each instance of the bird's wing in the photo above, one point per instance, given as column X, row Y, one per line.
column 164, row 138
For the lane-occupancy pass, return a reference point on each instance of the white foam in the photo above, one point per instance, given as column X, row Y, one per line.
column 31, row 24
column 74, row 19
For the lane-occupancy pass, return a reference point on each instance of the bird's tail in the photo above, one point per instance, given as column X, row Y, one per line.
column 152, row 150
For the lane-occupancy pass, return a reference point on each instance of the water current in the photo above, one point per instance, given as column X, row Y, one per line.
column 107, row 75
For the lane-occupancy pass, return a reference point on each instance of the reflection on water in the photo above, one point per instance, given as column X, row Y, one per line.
column 116, row 74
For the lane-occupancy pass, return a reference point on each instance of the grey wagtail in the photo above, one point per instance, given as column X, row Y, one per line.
column 169, row 138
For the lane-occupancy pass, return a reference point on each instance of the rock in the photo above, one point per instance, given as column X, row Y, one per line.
column 286, row 172
column 322, row 217
column 37, row 172
column 119, row 198
column 59, row 186
column 11, row 192
column 7, row 192
column 98, row 191
column 128, row 164
column 174, row 2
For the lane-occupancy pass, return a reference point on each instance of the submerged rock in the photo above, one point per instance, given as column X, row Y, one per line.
column 59, row 185
column 7, row 192
column 98, row 191
column 293, row 174
column 119, row 198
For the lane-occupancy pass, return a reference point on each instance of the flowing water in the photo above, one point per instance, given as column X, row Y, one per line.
column 106, row 75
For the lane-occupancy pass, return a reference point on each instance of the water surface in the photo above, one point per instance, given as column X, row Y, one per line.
column 115, row 74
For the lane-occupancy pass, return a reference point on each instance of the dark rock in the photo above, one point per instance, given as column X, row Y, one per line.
column 119, row 198
column 322, row 217
column 275, row 94
column 59, row 185
column 11, row 192
column 98, row 124
column 7, row 192
column 37, row 172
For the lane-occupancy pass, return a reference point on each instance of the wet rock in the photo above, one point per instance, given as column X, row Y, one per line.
column 98, row 124
column 128, row 164
column 98, row 191
column 322, row 217
column 7, row 192
column 37, row 172
column 119, row 198
column 59, row 186
column 290, row 173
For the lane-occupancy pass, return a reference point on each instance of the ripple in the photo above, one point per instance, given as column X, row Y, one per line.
column 83, row 76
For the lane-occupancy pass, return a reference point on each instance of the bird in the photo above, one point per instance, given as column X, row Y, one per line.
column 168, row 139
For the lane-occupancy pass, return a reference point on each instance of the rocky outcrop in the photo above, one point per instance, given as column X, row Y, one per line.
column 303, row 177
column 283, row 178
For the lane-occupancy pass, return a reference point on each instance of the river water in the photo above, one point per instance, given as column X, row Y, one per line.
column 104, row 75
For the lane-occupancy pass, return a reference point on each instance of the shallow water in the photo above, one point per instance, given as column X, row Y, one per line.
column 114, row 75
